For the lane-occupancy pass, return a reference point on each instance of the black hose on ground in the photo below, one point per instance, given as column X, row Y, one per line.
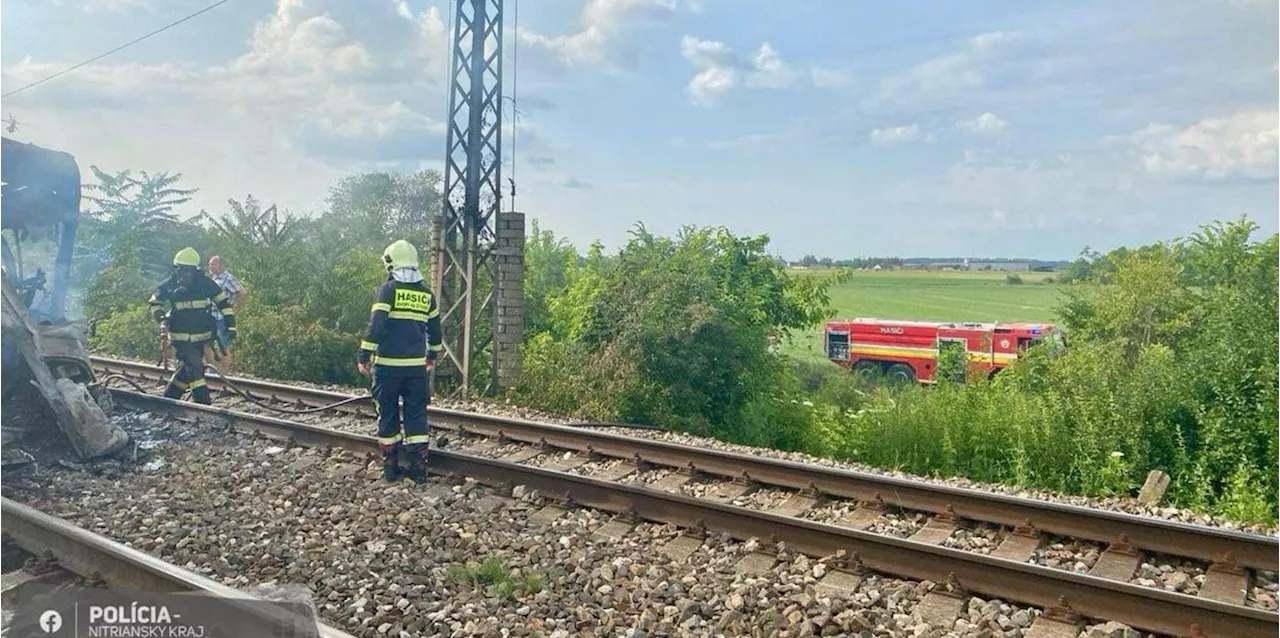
column 105, row 381
column 273, row 408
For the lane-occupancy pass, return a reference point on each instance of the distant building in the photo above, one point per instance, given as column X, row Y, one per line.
column 1001, row 265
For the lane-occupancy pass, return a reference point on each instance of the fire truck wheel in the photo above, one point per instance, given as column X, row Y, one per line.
column 901, row 373
column 867, row 369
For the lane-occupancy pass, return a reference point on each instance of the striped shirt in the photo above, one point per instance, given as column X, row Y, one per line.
column 230, row 285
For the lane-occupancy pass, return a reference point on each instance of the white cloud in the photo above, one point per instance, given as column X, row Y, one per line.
column 717, row 69
column 897, row 134
column 720, row 70
column 986, row 123
column 825, row 78
column 990, row 40
column 949, row 73
column 709, row 84
column 707, row 53
column 1239, row 145
column 604, row 41
column 769, row 70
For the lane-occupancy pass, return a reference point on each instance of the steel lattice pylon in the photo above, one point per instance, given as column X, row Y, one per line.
column 464, row 275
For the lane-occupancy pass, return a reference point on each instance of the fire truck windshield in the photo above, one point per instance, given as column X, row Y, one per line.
column 1057, row 342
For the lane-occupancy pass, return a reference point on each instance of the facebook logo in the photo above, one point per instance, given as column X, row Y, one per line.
column 50, row 621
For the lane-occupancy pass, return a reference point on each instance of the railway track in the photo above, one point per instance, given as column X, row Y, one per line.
column 102, row 561
column 703, row 490
column 26, row 575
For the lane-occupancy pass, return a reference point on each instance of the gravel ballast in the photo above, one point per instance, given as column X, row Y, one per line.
column 1078, row 556
column 402, row 559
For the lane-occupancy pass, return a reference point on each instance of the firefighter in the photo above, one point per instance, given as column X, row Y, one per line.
column 398, row 348
column 184, row 303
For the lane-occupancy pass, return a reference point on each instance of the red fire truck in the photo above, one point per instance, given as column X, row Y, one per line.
column 909, row 350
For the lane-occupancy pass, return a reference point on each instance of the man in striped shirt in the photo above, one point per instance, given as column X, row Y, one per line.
column 235, row 291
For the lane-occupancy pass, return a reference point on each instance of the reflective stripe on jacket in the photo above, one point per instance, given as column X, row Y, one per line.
column 404, row 328
column 187, row 308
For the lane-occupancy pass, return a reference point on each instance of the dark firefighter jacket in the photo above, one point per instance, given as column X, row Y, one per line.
column 187, row 308
column 404, row 329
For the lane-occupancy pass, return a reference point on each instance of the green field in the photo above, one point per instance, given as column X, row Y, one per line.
column 933, row 296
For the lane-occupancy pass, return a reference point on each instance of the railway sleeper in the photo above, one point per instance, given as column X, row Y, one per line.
column 1119, row 554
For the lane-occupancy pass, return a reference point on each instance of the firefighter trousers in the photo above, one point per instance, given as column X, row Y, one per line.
column 388, row 393
column 190, row 373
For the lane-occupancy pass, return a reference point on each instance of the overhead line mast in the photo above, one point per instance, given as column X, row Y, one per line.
column 465, row 274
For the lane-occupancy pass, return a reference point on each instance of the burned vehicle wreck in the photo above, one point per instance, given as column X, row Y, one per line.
column 47, row 379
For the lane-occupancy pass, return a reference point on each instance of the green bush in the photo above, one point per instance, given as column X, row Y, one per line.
column 829, row 384
column 674, row 332
column 1013, row 279
column 130, row 333
column 277, row 344
column 283, row 343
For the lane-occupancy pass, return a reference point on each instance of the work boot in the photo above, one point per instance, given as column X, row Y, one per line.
column 201, row 395
column 418, row 467
column 390, row 467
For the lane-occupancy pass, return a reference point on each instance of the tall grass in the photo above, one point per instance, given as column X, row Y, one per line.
column 1086, row 423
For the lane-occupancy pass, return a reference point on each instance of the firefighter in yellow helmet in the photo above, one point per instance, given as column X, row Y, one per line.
column 398, row 348
column 183, row 302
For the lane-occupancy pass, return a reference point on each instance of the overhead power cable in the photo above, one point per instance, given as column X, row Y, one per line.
column 515, row 96
column 119, row 48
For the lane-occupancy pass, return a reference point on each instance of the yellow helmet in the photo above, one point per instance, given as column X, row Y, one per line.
column 187, row 257
column 399, row 254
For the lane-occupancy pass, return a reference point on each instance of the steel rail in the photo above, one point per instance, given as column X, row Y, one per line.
column 1141, row 607
column 1147, row 533
column 85, row 553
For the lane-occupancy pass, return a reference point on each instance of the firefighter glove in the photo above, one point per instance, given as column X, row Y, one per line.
column 157, row 313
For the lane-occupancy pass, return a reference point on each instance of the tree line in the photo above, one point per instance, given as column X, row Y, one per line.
column 811, row 261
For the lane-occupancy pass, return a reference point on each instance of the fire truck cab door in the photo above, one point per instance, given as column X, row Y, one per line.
column 1007, row 346
column 977, row 351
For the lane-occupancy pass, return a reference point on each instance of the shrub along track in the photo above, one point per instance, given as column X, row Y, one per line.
column 63, row 549
column 752, row 497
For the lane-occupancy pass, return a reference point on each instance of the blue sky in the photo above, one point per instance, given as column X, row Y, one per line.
column 844, row 129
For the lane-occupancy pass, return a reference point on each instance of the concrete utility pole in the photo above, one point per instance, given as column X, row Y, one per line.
column 473, row 281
